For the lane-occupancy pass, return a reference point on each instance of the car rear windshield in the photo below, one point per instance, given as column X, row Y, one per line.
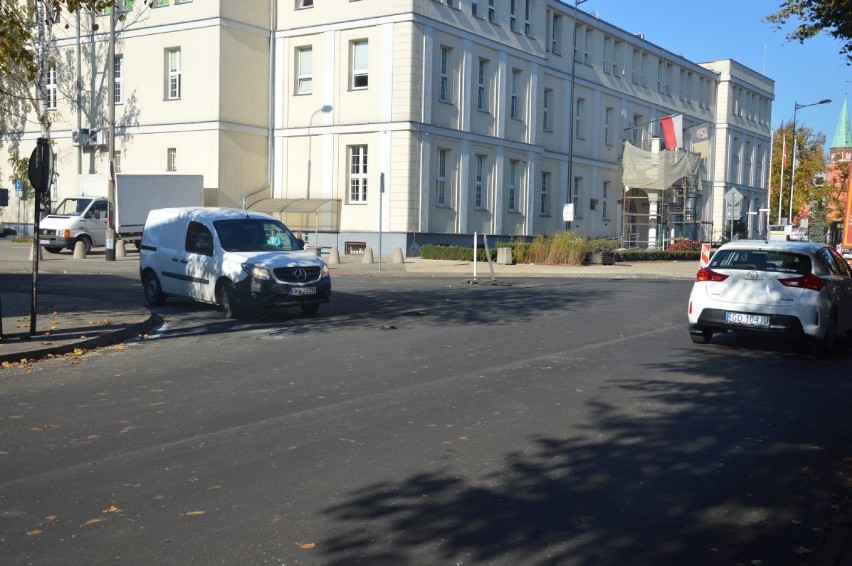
column 762, row 260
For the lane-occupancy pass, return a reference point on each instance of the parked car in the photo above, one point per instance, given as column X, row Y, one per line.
column 803, row 289
column 238, row 259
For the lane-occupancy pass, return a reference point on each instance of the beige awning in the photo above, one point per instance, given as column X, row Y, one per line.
column 278, row 205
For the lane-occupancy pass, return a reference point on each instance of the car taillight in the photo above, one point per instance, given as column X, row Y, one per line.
column 809, row 281
column 707, row 274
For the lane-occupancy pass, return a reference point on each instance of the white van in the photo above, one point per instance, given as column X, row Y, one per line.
column 238, row 259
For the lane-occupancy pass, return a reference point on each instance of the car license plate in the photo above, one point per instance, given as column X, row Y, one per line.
column 44, row 242
column 742, row 319
column 303, row 290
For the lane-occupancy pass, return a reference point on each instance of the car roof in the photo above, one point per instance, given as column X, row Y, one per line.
column 782, row 245
column 213, row 213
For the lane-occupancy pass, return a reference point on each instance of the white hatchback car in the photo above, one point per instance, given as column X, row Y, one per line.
column 803, row 289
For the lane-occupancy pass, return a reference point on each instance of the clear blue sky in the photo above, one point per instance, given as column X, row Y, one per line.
column 733, row 29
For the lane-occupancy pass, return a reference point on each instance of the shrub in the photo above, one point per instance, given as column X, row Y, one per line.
column 685, row 246
column 601, row 245
column 566, row 248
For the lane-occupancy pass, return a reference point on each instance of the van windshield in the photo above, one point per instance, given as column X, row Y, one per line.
column 255, row 235
column 72, row 206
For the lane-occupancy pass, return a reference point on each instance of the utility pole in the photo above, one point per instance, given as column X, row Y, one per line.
column 110, row 231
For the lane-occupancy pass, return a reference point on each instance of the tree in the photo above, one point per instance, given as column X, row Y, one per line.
column 816, row 16
column 809, row 166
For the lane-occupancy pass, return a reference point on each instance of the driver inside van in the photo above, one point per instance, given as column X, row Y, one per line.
column 275, row 238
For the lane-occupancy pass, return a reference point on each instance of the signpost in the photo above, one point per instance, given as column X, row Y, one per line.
column 40, row 173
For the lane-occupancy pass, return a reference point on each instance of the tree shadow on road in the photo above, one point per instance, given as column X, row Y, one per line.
column 723, row 466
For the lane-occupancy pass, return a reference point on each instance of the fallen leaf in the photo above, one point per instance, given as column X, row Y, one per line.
column 803, row 550
column 307, row 545
column 112, row 509
column 93, row 521
column 34, row 532
column 194, row 513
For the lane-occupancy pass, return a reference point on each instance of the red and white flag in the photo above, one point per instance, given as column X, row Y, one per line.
column 672, row 130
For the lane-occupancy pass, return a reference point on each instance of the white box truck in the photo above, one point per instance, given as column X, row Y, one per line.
column 84, row 218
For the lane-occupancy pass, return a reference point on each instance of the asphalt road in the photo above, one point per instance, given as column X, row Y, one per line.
column 428, row 421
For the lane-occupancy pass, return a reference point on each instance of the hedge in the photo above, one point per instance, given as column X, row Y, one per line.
column 526, row 252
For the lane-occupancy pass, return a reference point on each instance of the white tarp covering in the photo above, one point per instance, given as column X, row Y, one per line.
column 650, row 170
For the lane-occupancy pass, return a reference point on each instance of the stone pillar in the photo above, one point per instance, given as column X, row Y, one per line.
column 652, row 219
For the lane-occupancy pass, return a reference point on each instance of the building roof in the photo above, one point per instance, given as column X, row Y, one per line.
column 843, row 133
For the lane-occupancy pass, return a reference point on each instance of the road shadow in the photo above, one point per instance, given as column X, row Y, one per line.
column 725, row 466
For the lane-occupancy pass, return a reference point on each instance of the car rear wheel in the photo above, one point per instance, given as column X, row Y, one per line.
column 230, row 301
column 153, row 290
column 701, row 337
column 54, row 249
column 827, row 346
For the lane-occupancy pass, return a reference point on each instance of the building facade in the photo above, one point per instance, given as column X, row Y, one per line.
column 414, row 121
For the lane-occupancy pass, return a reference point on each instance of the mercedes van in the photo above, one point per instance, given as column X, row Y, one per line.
column 240, row 260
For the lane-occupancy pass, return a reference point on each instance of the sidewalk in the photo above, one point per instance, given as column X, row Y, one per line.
column 73, row 321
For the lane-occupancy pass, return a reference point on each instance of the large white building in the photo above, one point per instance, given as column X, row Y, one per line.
column 411, row 120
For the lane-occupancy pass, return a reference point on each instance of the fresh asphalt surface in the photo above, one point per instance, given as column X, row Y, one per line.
column 428, row 421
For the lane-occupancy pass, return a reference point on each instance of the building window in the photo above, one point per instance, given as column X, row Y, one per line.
column 546, row 120
column 358, row 173
column 360, row 65
column 576, row 195
column 687, row 90
column 118, row 72
column 513, row 15
column 116, row 162
column 173, row 73
column 512, row 203
column 492, row 12
column 579, row 131
column 474, row 8
column 608, row 55
column 451, row 3
column 441, row 178
column 758, row 167
column 527, row 13
column 661, row 76
column 516, row 80
column 635, row 71
column 482, row 86
column 668, row 79
column 556, row 35
column 478, row 182
column 747, row 164
column 171, row 159
column 637, row 131
column 446, row 86
column 161, row 3
column 642, row 64
column 605, row 200
column 616, row 58
column 544, row 188
column 609, row 125
column 300, row 4
column 51, row 88
column 305, row 70
column 735, row 161
column 587, row 44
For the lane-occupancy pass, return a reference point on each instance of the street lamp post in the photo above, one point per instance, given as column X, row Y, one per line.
column 793, row 165
column 571, row 104
column 325, row 110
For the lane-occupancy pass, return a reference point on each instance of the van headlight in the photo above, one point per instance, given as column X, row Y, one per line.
column 257, row 272
column 324, row 272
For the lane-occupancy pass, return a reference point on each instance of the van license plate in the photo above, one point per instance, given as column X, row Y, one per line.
column 303, row 290
column 742, row 319
column 44, row 242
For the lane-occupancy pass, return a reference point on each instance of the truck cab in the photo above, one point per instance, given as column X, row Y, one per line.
column 82, row 219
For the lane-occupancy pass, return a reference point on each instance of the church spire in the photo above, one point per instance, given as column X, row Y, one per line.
column 843, row 134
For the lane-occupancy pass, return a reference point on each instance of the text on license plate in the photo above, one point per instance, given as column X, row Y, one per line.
column 742, row 319
column 303, row 290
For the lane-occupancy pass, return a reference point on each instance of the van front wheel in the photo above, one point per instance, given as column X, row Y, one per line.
column 230, row 301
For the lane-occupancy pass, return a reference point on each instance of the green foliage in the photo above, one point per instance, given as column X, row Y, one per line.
column 656, row 255
column 566, row 248
column 601, row 245
column 20, row 170
column 816, row 16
